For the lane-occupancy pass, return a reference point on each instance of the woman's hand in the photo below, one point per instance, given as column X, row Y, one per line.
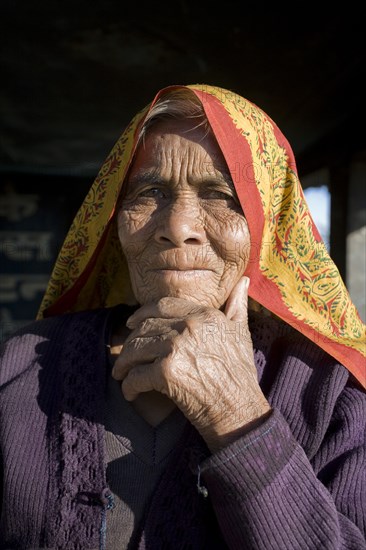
column 201, row 358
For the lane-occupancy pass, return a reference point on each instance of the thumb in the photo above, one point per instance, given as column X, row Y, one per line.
column 236, row 308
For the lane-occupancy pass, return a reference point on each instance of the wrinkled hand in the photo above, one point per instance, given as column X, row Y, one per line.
column 201, row 358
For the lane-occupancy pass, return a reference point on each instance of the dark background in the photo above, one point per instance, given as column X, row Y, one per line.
column 74, row 73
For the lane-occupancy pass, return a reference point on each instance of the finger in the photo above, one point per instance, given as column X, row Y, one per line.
column 139, row 351
column 236, row 308
column 140, row 379
column 166, row 308
column 154, row 327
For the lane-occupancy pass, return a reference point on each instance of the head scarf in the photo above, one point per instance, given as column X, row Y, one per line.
column 291, row 273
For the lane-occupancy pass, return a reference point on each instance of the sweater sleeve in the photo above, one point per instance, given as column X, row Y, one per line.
column 266, row 493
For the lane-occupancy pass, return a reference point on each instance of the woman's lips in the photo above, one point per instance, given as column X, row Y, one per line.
column 179, row 273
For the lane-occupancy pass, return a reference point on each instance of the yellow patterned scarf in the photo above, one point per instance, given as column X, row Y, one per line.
column 291, row 273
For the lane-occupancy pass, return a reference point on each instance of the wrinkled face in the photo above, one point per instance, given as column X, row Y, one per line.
column 180, row 225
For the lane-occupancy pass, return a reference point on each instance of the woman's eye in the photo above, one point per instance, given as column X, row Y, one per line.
column 154, row 192
column 215, row 194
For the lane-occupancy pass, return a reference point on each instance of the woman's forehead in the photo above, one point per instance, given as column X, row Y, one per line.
column 180, row 141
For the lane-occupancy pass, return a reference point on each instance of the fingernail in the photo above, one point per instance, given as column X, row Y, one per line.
column 130, row 322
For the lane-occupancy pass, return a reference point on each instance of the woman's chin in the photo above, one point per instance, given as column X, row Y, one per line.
column 194, row 295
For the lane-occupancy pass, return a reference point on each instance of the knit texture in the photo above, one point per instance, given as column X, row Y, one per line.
column 297, row 481
column 137, row 454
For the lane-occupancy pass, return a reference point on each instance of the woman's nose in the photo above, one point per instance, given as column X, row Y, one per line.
column 181, row 224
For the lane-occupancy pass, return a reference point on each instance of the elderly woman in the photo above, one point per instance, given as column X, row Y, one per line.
column 149, row 406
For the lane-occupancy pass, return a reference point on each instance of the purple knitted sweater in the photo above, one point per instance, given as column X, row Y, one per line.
column 295, row 482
